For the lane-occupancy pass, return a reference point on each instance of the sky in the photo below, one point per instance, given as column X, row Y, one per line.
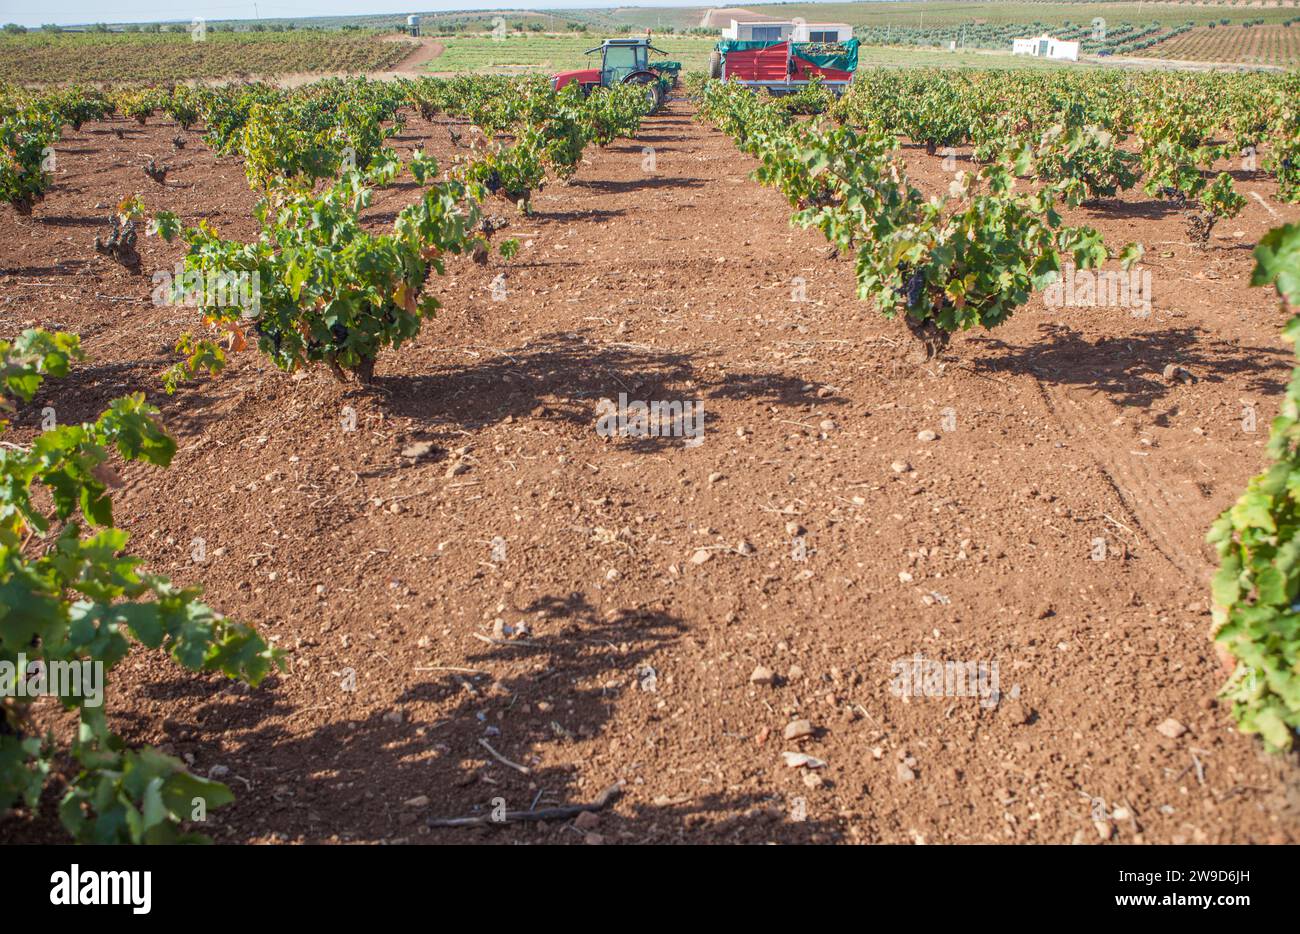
column 67, row 12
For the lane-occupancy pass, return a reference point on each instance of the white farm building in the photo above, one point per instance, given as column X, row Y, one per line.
column 775, row 30
column 1046, row 47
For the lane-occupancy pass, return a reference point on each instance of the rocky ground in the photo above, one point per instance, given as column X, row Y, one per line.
column 487, row 602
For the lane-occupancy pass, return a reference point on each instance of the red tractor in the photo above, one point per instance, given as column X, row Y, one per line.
column 625, row 61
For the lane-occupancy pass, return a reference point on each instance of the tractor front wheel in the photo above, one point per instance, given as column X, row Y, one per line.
column 654, row 94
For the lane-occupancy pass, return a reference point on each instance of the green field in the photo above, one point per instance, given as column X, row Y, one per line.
column 524, row 52
column 679, row 18
column 888, row 56
column 517, row 54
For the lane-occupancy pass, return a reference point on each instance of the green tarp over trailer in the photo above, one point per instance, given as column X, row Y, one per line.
column 841, row 55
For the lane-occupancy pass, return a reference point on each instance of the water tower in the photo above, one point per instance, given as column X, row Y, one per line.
column 413, row 26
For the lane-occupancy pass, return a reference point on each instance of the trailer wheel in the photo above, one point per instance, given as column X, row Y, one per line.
column 715, row 64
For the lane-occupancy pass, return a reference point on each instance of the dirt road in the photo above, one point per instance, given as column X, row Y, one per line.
column 423, row 51
column 426, row 50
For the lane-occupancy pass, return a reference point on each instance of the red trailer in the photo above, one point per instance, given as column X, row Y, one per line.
column 784, row 67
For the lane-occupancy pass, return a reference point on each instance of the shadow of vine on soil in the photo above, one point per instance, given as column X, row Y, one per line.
column 364, row 776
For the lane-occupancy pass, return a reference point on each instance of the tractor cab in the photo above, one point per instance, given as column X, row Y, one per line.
column 624, row 61
column 620, row 58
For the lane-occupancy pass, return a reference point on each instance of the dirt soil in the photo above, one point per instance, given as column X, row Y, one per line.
column 423, row 51
column 596, row 609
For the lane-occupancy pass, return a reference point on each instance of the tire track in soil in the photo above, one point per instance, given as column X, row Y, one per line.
column 1154, row 510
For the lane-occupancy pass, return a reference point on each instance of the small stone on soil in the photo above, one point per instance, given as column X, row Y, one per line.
column 417, row 450
column 1171, row 728
column 796, row 760
column 798, row 729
